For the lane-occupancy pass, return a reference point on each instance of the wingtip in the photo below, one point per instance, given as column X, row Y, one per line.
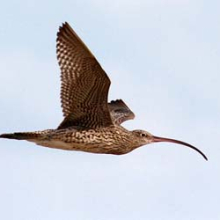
column 64, row 23
column 62, row 26
column 64, row 29
column 119, row 102
column 116, row 101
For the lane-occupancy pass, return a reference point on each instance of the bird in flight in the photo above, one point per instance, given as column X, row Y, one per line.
column 90, row 123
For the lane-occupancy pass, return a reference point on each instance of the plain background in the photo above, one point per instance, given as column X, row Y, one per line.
column 162, row 57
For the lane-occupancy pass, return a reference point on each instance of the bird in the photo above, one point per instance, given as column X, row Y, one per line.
column 91, row 123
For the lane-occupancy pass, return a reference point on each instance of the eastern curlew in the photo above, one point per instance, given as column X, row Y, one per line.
column 90, row 124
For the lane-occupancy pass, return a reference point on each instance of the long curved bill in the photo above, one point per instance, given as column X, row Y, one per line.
column 162, row 139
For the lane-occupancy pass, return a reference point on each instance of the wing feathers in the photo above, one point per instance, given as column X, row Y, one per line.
column 85, row 85
column 120, row 111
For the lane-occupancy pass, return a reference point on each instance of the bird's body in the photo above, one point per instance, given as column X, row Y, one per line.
column 90, row 124
column 108, row 140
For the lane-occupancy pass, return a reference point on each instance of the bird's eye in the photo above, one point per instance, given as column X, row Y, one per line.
column 143, row 135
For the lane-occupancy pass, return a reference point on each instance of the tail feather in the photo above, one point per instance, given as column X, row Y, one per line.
column 22, row 135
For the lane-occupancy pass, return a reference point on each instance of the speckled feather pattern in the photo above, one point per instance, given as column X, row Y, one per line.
column 110, row 140
column 114, row 140
column 84, row 84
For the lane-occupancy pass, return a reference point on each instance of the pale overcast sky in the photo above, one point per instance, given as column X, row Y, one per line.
column 163, row 58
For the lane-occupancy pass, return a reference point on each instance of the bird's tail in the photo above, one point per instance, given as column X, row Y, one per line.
column 25, row 135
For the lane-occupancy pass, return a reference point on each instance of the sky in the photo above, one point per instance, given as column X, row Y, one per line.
column 162, row 57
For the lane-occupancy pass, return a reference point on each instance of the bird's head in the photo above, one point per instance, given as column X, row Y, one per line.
column 145, row 137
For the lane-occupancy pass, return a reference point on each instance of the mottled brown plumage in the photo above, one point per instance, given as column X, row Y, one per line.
column 85, row 85
column 90, row 124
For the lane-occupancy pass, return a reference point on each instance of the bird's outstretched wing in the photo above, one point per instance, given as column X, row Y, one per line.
column 85, row 85
column 120, row 112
